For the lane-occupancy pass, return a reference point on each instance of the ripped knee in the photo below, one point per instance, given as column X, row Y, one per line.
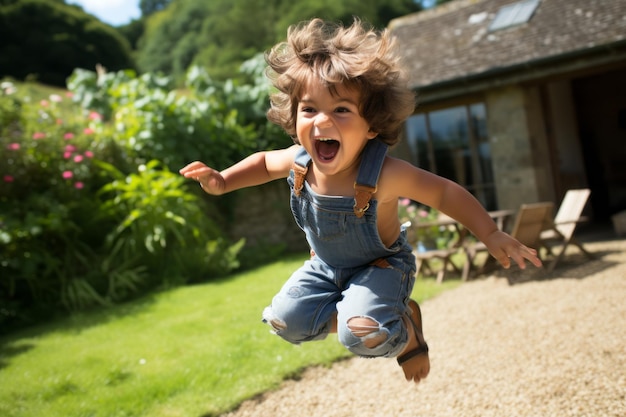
column 275, row 323
column 368, row 330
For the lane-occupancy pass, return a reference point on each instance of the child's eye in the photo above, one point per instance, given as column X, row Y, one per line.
column 307, row 109
column 342, row 110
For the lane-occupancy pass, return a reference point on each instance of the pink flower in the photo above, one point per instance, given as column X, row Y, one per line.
column 95, row 116
column 423, row 213
column 70, row 148
column 59, row 121
column 13, row 146
column 69, row 94
column 405, row 202
column 44, row 103
column 39, row 135
column 89, row 154
column 88, row 131
column 55, row 98
column 78, row 158
column 79, row 185
column 68, row 136
column 8, row 178
column 67, row 174
column 67, row 155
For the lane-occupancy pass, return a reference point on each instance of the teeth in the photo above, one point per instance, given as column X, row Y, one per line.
column 325, row 139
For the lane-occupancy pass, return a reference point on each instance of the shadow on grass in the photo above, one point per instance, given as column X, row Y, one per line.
column 11, row 350
column 22, row 340
column 18, row 342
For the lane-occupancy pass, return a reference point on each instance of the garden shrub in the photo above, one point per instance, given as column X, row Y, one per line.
column 90, row 211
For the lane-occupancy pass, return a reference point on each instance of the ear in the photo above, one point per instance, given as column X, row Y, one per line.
column 371, row 134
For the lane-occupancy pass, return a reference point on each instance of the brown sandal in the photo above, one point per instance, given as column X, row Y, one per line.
column 416, row 321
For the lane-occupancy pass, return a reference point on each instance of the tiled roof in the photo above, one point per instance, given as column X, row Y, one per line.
column 452, row 42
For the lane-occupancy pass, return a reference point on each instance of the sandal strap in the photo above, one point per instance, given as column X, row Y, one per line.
column 422, row 349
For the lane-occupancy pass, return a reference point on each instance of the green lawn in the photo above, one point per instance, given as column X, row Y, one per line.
column 192, row 351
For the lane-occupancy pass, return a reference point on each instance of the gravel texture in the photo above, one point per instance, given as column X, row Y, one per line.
column 552, row 346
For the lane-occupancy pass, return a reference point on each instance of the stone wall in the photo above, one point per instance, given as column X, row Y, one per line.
column 263, row 217
column 514, row 165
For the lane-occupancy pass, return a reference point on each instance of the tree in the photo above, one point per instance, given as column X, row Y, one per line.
column 221, row 34
column 47, row 39
column 148, row 7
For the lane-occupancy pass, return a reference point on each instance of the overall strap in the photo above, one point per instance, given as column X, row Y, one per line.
column 300, row 167
column 367, row 178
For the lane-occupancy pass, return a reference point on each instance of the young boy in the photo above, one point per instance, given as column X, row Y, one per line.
column 343, row 97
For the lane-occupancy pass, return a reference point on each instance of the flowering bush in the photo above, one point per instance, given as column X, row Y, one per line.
column 420, row 236
column 65, row 234
column 46, row 195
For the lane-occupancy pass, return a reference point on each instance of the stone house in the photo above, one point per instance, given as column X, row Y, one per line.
column 520, row 101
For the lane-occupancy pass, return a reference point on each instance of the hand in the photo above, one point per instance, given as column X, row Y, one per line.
column 504, row 247
column 210, row 180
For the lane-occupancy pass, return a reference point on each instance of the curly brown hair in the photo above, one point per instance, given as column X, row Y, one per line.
column 355, row 57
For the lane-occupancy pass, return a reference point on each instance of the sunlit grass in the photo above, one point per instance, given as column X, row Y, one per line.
column 192, row 351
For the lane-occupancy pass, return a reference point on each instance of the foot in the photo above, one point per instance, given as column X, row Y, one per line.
column 414, row 358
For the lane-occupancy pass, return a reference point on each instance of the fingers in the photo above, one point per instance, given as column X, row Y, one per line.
column 209, row 179
column 195, row 170
column 519, row 254
column 504, row 260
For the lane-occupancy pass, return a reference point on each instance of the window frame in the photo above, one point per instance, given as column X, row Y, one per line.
column 483, row 185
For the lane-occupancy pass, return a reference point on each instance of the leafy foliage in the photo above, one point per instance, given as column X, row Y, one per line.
column 221, row 122
column 45, row 40
column 148, row 7
column 423, row 232
column 154, row 213
column 80, row 224
column 221, row 34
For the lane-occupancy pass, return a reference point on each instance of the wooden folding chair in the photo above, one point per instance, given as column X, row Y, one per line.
column 527, row 228
column 423, row 258
column 560, row 230
column 423, row 261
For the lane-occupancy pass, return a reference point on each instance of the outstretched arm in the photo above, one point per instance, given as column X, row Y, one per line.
column 256, row 169
column 456, row 202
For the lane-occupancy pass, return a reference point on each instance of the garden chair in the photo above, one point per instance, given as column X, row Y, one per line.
column 423, row 262
column 529, row 223
column 560, row 230
column 424, row 258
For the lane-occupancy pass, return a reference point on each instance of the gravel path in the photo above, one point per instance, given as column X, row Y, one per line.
column 550, row 347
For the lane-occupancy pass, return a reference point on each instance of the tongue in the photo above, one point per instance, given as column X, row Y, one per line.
column 327, row 149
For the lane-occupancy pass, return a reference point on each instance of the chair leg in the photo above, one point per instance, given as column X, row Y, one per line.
column 562, row 252
column 467, row 265
column 418, row 267
column 582, row 249
column 557, row 258
column 440, row 275
column 447, row 262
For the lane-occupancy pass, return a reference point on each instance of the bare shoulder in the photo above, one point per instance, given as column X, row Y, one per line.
column 396, row 166
column 401, row 179
column 394, row 174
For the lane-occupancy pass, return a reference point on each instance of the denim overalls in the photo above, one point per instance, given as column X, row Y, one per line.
column 352, row 272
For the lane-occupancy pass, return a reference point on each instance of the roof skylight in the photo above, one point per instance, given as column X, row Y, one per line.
column 514, row 14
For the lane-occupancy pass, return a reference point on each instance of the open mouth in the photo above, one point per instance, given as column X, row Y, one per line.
column 326, row 148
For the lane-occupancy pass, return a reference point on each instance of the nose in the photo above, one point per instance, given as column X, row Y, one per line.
column 322, row 120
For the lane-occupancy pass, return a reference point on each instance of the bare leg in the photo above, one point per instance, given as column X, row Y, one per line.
column 333, row 324
column 415, row 367
column 414, row 358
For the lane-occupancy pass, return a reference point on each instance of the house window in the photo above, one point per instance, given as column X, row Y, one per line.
column 454, row 143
